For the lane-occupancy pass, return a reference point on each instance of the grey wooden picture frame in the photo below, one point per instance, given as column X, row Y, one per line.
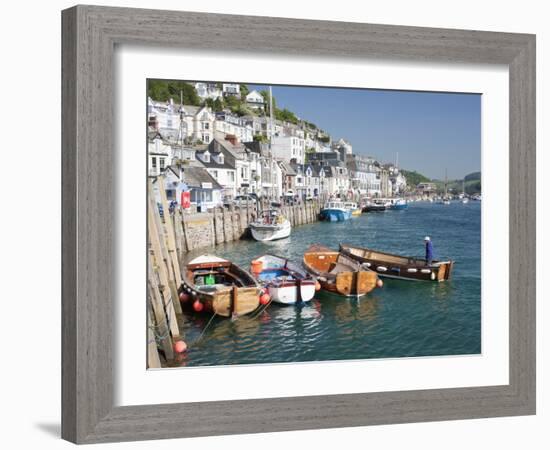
column 90, row 34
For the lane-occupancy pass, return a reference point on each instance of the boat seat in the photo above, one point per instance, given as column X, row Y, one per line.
column 337, row 268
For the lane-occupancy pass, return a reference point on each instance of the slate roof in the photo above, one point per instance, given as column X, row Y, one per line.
column 195, row 176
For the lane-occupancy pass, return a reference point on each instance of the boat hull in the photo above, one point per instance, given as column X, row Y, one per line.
column 335, row 215
column 374, row 208
column 219, row 286
column 266, row 233
column 339, row 274
column 387, row 265
column 286, row 281
column 292, row 292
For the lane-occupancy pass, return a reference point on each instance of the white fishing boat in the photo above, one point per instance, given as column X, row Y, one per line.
column 335, row 211
column 286, row 281
column 270, row 226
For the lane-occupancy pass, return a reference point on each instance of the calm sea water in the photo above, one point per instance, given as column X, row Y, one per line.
column 403, row 319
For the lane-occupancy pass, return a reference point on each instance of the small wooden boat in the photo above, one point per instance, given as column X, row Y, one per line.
column 270, row 226
column 396, row 266
column 216, row 285
column 339, row 273
column 286, row 282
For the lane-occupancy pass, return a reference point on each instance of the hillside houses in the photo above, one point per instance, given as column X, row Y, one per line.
column 254, row 154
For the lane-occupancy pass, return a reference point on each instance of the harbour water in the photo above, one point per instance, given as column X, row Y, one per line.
column 403, row 319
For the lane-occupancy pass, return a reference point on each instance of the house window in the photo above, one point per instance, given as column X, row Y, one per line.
column 206, row 157
column 154, row 163
column 161, row 163
column 215, row 174
column 220, row 158
column 169, row 122
column 231, row 175
column 205, row 126
column 206, row 138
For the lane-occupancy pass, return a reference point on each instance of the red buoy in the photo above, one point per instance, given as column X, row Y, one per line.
column 198, row 306
column 180, row 346
column 184, row 296
column 379, row 283
column 264, row 299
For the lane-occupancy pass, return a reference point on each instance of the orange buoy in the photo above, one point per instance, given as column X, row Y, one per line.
column 198, row 306
column 317, row 286
column 180, row 346
column 264, row 299
column 256, row 267
column 379, row 283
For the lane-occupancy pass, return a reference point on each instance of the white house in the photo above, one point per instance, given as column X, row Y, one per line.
column 196, row 122
column 255, row 100
column 227, row 123
column 220, row 169
column 231, row 89
column 335, row 180
column 164, row 117
column 344, row 145
column 289, row 148
column 159, row 155
column 208, row 90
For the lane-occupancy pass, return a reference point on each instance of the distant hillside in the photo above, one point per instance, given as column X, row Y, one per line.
column 473, row 176
column 413, row 177
column 472, row 184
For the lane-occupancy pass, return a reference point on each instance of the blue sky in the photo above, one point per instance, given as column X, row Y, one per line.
column 430, row 131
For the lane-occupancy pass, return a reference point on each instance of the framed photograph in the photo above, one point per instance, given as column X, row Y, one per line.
column 264, row 230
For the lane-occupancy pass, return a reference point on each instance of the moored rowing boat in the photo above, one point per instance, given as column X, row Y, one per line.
column 396, row 266
column 213, row 284
column 286, row 281
column 338, row 273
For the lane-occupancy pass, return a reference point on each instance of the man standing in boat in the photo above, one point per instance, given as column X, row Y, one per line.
column 429, row 250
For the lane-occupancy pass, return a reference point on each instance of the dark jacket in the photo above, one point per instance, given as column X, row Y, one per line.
column 429, row 251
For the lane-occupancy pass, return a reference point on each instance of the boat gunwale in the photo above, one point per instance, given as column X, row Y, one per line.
column 422, row 262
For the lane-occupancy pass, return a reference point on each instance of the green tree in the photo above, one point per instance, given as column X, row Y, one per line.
column 414, row 178
column 164, row 90
column 244, row 91
column 265, row 95
column 285, row 115
column 260, row 138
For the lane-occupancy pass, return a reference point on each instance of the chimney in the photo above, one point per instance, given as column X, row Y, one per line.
column 232, row 138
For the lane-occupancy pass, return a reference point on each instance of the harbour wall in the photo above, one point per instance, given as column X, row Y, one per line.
column 206, row 229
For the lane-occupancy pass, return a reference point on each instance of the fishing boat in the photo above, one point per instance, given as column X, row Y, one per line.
column 216, row 285
column 286, row 281
column 270, row 226
column 352, row 207
column 396, row 266
column 338, row 273
column 376, row 205
column 335, row 211
column 398, row 204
